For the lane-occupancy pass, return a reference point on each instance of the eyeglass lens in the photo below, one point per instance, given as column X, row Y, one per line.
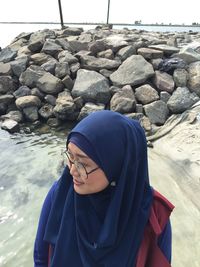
column 79, row 166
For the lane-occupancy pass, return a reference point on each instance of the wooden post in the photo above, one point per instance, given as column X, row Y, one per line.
column 61, row 16
column 108, row 12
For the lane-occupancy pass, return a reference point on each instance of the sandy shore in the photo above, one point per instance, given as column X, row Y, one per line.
column 174, row 165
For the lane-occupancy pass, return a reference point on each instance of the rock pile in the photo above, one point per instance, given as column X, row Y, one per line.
column 54, row 76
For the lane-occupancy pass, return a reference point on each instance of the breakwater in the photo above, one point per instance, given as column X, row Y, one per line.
column 54, row 76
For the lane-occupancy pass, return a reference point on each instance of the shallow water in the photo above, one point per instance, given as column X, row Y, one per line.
column 29, row 164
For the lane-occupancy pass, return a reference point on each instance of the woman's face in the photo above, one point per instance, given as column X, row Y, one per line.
column 93, row 182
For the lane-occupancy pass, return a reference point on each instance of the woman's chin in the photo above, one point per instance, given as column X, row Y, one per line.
column 79, row 188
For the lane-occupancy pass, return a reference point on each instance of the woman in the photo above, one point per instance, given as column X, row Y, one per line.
column 102, row 212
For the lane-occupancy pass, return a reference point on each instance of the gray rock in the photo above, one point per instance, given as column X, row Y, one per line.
column 36, row 43
column 194, row 77
column 27, row 101
column 139, row 108
column 3, row 108
column 114, row 89
column 38, row 93
column 181, row 77
column 106, row 73
column 149, row 53
column 126, row 52
column 31, row 76
column 31, row 113
column 49, row 66
column 89, row 108
column 19, row 65
column 106, row 54
column 15, row 115
column 163, row 81
column 157, row 112
column 63, row 43
column 78, row 45
column 68, row 82
column 46, row 111
column 10, row 126
column 82, row 53
column 50, row 99
column 134, row 116
column 5, row 69
column 91, row 86
column 181, row 100
column 72, row 31
column 67, row 57
column 62, row 69
column 7, row 84
column 188, row 54
column 22, row 91
column 114, row 42
column 155, row 63
column 65, row 108
column 146, row 94
column 49, row 84
column 78, row 101
column 41, row 58
column 145, row 123
column 7, row 55
column 167, row 50
column 24, row 51
column 74, row 68
column 164, row 96
column 51, row 48
column 129, row 72
column 93, row 63
column 6, row 99
column 85, row 37
column 123, row 101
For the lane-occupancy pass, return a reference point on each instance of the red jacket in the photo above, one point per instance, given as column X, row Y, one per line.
column 150, row 255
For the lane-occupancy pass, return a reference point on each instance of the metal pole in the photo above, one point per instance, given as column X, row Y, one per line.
column 108, row 11
column 61, row 16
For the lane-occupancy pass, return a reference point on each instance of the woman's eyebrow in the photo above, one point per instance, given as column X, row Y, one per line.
column 81, row 155
column 78, row 155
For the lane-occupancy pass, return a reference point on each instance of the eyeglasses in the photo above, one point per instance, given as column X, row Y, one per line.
column 81, row 169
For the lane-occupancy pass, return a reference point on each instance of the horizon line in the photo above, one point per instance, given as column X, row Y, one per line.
column 101, row 23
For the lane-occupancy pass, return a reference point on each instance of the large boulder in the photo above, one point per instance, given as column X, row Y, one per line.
column 91, row 86
column 133, row 71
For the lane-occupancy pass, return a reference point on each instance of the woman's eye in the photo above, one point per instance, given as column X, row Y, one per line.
column 84, row 164
column 70, row 155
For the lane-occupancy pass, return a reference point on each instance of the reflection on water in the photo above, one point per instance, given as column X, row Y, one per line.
column 29, row 164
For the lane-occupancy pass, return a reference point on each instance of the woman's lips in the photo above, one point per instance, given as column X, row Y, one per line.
column 77, row 182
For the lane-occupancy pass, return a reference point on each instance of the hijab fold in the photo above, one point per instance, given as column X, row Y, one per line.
column 106, row 228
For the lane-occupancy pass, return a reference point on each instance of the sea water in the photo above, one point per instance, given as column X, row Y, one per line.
column 29, row 164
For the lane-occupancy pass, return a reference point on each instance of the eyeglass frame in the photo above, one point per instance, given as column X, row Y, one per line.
column 75, row 162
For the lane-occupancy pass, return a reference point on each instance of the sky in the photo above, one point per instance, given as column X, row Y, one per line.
column 121, row 11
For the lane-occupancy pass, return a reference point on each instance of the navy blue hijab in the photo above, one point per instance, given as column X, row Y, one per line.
column 103, row 229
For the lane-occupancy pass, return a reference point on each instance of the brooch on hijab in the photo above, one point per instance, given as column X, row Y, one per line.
column 113, row 183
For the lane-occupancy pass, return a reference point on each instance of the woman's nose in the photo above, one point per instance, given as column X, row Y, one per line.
column 73, row 170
